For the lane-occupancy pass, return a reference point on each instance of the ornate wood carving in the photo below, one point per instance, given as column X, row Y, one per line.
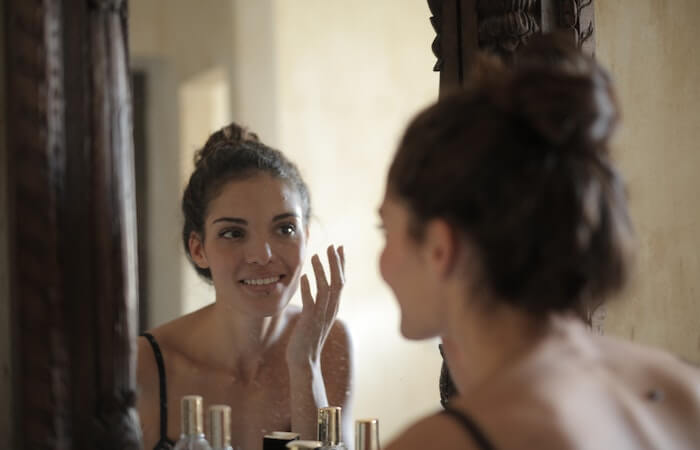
column 505, row 25
column 73, row 254
column 501, row 26
column 436, row 11
column 576, row 16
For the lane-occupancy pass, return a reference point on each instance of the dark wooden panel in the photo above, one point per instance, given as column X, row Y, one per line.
column 73, row 213
column 464, row 27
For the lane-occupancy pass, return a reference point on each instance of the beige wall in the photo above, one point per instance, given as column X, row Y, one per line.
column 6, row 428
column 650, row 46
column 346, row 90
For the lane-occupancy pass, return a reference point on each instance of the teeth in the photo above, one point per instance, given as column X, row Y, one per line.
column 262, row 281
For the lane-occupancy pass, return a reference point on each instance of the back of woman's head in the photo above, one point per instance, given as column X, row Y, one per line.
column 232, row 153
column 519, row 163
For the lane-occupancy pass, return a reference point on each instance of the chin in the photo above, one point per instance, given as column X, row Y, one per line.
column 417, row 331
column 264, row 306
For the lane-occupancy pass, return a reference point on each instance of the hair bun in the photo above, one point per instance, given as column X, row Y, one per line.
column 568, row 110
column 562, row 94
column 231, row 135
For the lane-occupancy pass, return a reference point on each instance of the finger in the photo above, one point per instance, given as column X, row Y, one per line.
column 307, row 300
column 336, row 269
column 321, row 280
column 341, row 253
column 337, row 281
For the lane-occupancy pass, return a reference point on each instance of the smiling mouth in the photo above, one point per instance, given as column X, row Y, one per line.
column 261, row 281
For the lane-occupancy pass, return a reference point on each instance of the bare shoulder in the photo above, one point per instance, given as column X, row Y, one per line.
column 168, row 339
column 336, row 363
column 436, row 431
column 677, row 381
column 148, row 384
column 337, row 349
column 170, row 334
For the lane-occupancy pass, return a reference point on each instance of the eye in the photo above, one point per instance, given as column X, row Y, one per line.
column 231, row 233
column 287, row 229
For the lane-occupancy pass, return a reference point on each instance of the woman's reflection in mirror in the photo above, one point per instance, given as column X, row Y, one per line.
column 246, row 225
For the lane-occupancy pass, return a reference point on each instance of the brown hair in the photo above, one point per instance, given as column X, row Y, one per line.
column 229, row 154
column 519, row 162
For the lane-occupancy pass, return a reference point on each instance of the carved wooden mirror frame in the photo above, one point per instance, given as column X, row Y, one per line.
column 71, row 208
column 72, row 232
column 464, row 27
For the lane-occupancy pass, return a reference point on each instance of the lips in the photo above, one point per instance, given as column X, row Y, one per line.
column 262, row 281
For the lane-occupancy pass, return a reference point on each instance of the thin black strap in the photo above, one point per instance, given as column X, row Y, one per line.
column 472, row 428
column 164, row 442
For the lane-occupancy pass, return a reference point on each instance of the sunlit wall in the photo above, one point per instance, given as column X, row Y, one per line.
column 651, row 49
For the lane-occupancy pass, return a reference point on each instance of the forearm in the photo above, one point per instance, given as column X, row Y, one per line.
column 307, row 394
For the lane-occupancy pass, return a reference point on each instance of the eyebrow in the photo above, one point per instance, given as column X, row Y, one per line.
column 285, row 215
column 231, row 219
column 245, row 222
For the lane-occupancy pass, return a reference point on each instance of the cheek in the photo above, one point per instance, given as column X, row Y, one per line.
column 384, row 263
column 294, row 253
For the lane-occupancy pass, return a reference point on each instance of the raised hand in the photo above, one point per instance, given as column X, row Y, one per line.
column 317, row 315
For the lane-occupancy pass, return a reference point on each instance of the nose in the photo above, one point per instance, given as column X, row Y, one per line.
column 259, row 252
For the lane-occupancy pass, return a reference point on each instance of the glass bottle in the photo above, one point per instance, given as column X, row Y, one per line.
column 191, row 423
column 329, row 428
column 367, row 434
column 220, row 427
column 304, row 445
column 277, row 440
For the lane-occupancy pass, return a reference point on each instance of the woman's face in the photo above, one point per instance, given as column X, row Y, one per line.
column 403, row 266
column 254, row 245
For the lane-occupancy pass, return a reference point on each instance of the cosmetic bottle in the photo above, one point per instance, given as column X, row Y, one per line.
column 304, row 445
column 367, row 434
column 220, row 427
column 329, row 428
column 277, row 440
column 191, row 423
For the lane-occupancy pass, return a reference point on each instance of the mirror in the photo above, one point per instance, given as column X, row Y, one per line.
column 332, row 85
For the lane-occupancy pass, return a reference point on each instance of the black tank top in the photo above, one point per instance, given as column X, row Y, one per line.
column 476, row 433
column 163, row 443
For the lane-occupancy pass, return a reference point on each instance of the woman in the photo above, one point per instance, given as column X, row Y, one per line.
column 503, row 213
column 246, row 214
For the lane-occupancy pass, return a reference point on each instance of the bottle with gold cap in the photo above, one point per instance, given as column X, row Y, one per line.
column 220, row 427
column 304, row 445
column 277, row 440
column 191, row 421
column 367, row 434
column 329, row 428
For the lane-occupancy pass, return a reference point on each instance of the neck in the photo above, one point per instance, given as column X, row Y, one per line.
column 240, row 340
column 481, row 341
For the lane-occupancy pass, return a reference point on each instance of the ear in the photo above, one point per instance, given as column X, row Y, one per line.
column 196, row 245
column 441, row 246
